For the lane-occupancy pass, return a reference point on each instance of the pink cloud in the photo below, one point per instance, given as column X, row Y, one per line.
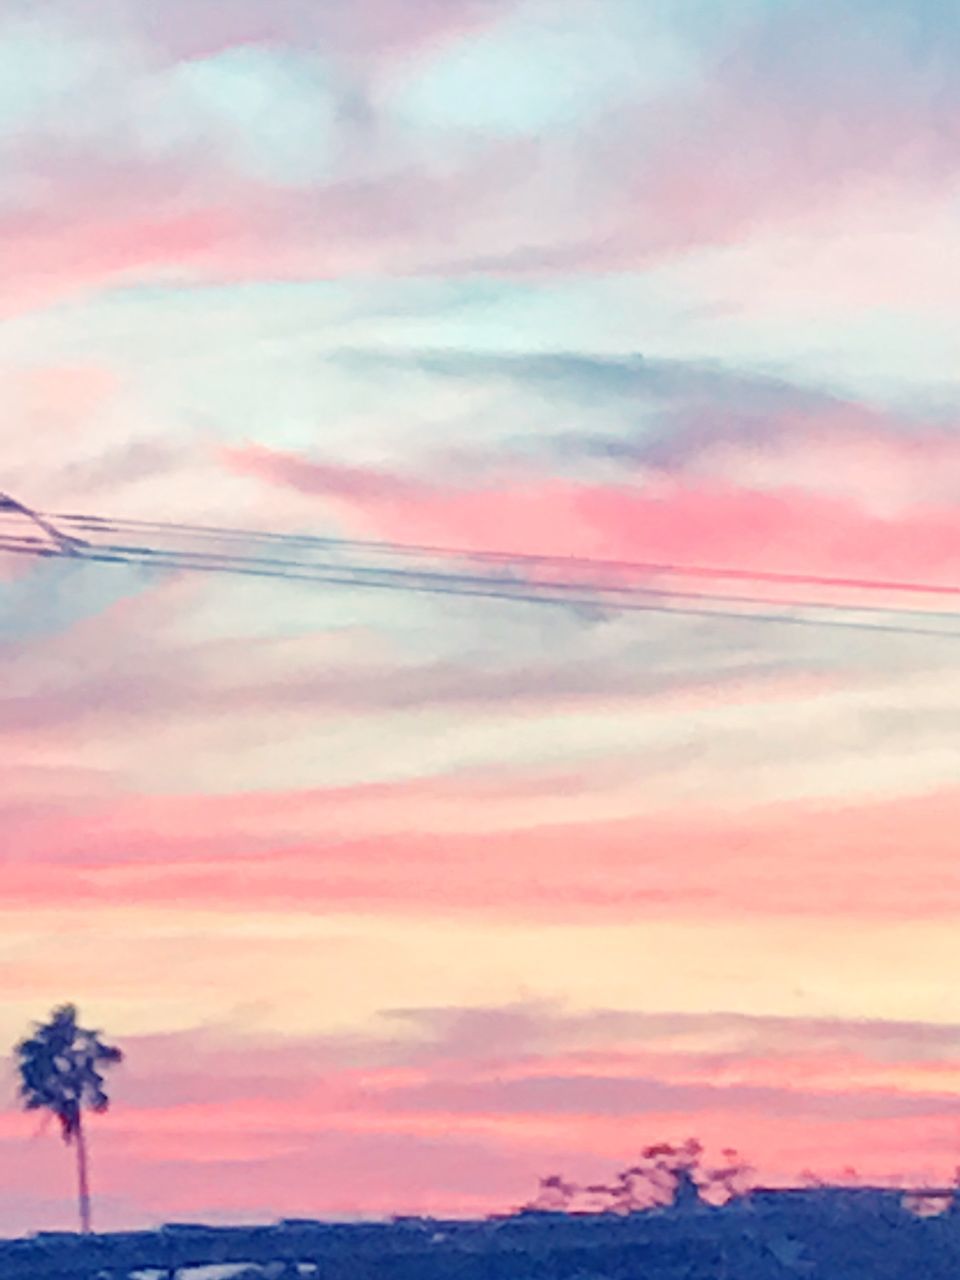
column 134, row 221
column 54, row 398
column 313, row 1136
column 45, row 264
column 220, row 686
column 359, row 484
column 707, row 166
column 275, row 852
column 814, row 265
column 391, row 27
column 847, row 455
column 815, row 123
column 371, row 29
column 757, row 515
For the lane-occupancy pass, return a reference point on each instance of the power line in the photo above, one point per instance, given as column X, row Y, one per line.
column 160, row 560
column 112, row 524
column 485, row 579
column 549, row 590
column 10, row 505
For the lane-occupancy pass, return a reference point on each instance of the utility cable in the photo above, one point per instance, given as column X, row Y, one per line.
column 580, row 593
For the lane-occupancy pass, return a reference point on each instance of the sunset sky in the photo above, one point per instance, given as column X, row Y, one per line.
column 398, row 903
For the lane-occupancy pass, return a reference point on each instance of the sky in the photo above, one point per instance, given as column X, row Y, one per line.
column 397, row 903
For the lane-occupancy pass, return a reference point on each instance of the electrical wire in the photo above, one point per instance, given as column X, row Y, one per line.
column 580, row 593
column 547, row 589
column 161, row 560
column 112, row 524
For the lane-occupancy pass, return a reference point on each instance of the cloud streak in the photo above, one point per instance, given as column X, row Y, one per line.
column 518, row 1085
column 670, row 286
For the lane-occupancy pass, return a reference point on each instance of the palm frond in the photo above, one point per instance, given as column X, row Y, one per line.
column 58, row 1069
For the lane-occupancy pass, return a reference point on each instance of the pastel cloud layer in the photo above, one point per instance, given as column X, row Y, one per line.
column 402, row 902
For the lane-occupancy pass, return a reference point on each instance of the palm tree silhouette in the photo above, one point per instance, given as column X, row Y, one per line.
column 59, row 1070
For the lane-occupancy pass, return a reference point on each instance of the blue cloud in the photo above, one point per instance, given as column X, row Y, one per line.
column 548, row 67
column 59, row 594
column 275, row 111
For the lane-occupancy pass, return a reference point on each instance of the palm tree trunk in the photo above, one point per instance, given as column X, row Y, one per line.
column 83, row 1180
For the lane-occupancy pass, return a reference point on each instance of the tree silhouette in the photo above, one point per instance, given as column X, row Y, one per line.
column 667, row 1176
column 731, row 1180
column 556, row 1194
column 59, row 1068
column 671, row 1173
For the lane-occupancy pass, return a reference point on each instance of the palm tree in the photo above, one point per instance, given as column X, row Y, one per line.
column 59, row 1070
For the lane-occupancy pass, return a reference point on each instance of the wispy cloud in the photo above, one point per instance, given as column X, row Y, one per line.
column 670, row 283
column 520, row 1086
